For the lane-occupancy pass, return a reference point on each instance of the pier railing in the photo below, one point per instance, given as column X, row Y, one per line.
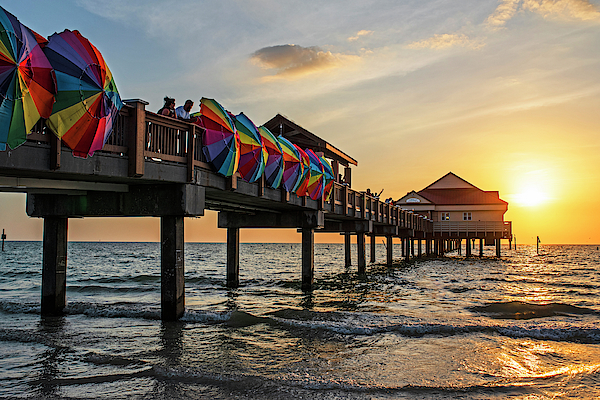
column 142, row 135
column 503, row 228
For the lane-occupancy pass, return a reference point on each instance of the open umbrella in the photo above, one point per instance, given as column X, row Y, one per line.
column 220, row 140
column 292, row 164
column 27, row 83
column 253, row 155
column 87, row 100
column 315, row 176
column 328, row 178
column 274, row 167
column 301, row 188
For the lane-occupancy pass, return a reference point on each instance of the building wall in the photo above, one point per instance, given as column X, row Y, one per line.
column 492, row 215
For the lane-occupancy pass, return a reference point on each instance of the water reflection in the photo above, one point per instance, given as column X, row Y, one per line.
column 52, row 331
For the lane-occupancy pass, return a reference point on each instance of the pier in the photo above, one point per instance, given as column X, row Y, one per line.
column 153, row 166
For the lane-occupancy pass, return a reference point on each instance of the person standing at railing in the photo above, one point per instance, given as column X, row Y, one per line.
column 183, row 112
column 168, row 109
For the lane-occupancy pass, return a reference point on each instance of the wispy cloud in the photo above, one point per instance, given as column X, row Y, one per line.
column 564, row 9
column 581, row 10
column 359, row 34
column 504, row 12
column 442, row 41
column 292, row 61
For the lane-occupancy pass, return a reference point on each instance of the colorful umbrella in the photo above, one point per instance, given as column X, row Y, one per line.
column 301, row 188
column 328, row 178
column 27, row 83
column 87, row 100
column 292, row 164
column 220, row 140
column 274, row 167
column 315, row 176
column 253, row 155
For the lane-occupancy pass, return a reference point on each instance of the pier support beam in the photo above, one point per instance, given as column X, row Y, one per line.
column 468, row 247
column 498, row 248
column 427, row 247
column 360, row 244
column 390, row 250
column 54, row 268
column 172, row 281
column 233, row 257
column 419, row 251
column 407, row 242
column 480, row 247
column 347, row 249
column 308, row 258
column 372, row 247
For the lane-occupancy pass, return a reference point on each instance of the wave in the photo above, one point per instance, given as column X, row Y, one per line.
column 522, row 310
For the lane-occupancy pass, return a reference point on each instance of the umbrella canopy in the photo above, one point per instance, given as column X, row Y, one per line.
column 301, row 188
column 27, row 83
column 253, row 154
column 87, row 100
column 328, row 178
column 315, row 176
column 274, row 167
column 292, row 164
column 220, row 140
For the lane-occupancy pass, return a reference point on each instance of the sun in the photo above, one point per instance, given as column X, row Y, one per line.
column 530, row 197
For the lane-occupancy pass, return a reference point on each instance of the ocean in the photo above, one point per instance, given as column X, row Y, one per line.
column 524, row 326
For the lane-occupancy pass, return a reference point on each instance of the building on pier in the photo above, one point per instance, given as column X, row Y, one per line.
column 460, row 210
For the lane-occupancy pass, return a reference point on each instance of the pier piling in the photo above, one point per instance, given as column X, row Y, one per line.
column 360, row 244
column 308, row 258
column 172, row 268
column 372, row 247
column 54, row 268
column 347, row 250
column 390, row 250
column 233, row 257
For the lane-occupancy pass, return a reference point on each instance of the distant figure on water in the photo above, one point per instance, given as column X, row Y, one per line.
column 169, row 108
column 183, row 112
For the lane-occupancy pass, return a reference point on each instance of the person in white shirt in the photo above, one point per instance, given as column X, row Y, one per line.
column 183, row 112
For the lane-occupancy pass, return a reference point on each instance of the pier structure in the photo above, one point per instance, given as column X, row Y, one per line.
column 153, row 166
column 461, row 212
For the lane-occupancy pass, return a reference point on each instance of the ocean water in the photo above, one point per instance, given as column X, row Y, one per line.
column 524, row 326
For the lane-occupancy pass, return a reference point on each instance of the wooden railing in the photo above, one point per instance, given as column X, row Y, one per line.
column 474, row 227
column 143, row 135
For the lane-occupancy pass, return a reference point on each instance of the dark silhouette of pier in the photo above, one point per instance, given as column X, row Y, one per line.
column 154, row 166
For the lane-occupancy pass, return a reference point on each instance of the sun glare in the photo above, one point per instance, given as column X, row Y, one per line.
column 530, row 197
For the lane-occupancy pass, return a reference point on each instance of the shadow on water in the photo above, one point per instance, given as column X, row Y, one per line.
column 52, row 328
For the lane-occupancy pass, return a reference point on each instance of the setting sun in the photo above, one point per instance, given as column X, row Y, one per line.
column 530, row 197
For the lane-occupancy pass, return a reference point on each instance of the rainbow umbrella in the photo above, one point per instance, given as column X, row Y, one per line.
column 315, row 176
column 87, row 100
column 301, row 188
column 274, row 167
column 220, row 139
column 328, row 178
column 27, row 82
column 292, row 164
column 253, row 154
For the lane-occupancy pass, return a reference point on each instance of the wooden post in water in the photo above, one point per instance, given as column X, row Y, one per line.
column 469, row 247
column 498, row 247
column 373, row 245
column 459, row 244
column 480, row 247
column 419, row 247
column 412, row 247
column 54, row 266
column 172, row 281
column 3, row 239
column 347, row 249
column 233, row 257
column 402, row 246
column 407, row 250
column 360, row 244
column 390, row 250
column 308, row 258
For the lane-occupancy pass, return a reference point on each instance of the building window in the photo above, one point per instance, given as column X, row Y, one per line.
column 467, row 216
column 445, row 216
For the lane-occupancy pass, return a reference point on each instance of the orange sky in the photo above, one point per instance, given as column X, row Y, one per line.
column 505, row 94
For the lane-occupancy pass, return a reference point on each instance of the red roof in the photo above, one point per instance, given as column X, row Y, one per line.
column 461, row 196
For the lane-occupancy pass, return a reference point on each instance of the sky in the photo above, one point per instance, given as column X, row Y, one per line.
column 505, row 94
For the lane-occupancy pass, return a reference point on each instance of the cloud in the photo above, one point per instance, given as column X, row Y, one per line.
column 292, row 61
column 581, row 10
column 564, row 9
column 446, row 40
column 359, row 34
column 505, row 11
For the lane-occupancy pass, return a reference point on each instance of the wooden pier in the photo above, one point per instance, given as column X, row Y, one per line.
column 154, row 166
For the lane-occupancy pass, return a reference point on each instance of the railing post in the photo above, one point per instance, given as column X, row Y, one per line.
column 190, row 153
column 137, row 137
